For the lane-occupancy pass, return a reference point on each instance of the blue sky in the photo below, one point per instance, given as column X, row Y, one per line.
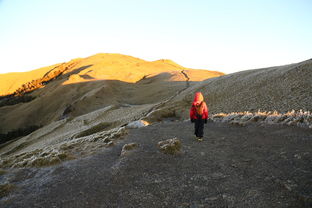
column 219, row 35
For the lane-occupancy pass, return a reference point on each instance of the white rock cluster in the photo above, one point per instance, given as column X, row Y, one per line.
column 137, row 124
column 292, row 118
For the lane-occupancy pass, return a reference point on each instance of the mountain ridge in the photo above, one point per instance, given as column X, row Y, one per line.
column 85, row 84
column 12, row 81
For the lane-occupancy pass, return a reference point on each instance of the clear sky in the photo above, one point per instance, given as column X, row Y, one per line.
column 217, row 35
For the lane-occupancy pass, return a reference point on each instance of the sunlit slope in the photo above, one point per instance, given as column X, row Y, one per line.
column 128, row 69
column 9, row 82
column 99, row 81
column 102, row 67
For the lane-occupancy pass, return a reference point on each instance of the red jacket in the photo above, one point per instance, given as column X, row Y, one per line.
column 199, row 107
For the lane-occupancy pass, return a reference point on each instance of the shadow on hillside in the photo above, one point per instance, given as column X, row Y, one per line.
column 78, row 70
column 48, row 72
column 86, row 76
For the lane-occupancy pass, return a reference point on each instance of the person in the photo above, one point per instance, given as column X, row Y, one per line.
column 199, row 115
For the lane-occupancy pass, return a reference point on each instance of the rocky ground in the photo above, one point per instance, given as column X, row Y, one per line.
column 235, row 166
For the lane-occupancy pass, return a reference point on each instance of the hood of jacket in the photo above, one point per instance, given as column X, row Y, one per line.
column 198, row 98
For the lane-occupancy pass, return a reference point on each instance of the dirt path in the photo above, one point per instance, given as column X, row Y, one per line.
column 249, row 166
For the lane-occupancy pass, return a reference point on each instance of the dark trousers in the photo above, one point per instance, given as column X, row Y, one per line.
column 199, row 127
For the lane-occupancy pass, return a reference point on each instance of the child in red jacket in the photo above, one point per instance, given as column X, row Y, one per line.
column 199, row 115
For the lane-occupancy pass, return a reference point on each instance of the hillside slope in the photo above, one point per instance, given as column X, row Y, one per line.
column 77, row 103
column 10, row 82
column 102, row 66
column 90, row 106
column 84, row 85
column 281, row 88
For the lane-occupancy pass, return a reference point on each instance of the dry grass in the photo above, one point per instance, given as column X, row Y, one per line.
column 66, row 150
column 37, row 158
column 5, row 189
column 291, row 118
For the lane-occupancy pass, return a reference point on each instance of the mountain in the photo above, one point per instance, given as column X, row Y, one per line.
column 86, row 133
column 111, row 90
column 85, row 85
column 99, row 67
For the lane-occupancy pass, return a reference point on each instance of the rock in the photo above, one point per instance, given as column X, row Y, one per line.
column 170, row 146
column 110, row 143
column 107, row 140
column 127, row 147
column 137, row 124
column 297, row 156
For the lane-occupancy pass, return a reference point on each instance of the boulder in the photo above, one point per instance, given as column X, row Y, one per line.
column 137, row 124
column 170, row 146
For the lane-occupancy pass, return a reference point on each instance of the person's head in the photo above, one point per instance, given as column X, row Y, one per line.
column 198, row 98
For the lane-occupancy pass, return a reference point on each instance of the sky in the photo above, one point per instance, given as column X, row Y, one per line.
column 221, row 35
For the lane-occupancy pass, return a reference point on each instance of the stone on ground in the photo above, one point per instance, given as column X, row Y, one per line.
column 170, row 146
column 127, row 148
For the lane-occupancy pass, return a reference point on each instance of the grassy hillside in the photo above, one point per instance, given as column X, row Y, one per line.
column 10, row 82
column 280, row 88
column 84, row 85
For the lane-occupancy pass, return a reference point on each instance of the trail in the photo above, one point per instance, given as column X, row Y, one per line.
column 159, row 105
column 186, row 77
column 252, row 166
